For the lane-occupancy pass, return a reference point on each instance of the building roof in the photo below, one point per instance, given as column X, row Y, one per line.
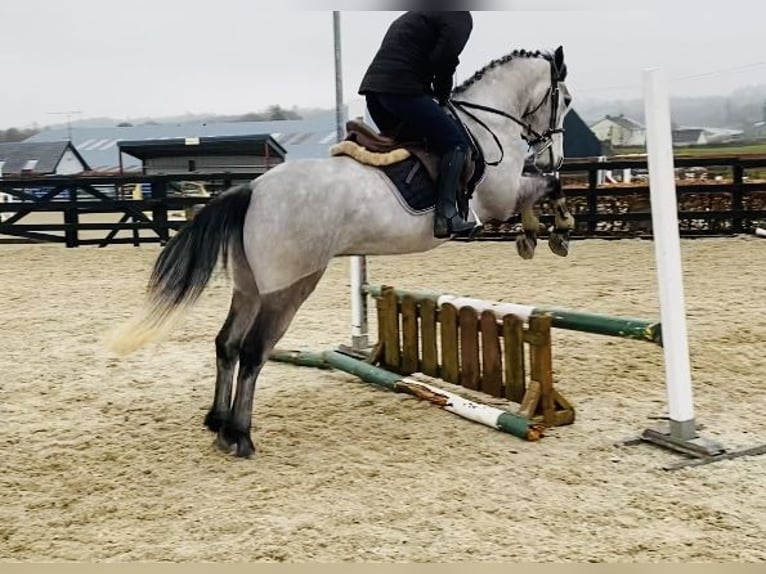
column 624, row 122
column 254, row 145
column 687, row 135
column 38, row 158
column 579, row 140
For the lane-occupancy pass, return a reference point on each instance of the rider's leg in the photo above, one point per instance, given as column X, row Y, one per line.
column 424, row 117
column 447, row 219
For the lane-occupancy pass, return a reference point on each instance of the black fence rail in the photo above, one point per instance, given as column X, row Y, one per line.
column 716, row 196
column 91, row 203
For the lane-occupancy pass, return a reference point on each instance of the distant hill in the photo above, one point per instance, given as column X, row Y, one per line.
column 271, row 113
column 739, row 110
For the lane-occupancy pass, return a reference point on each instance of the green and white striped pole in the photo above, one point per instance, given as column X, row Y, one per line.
column 486, row 415
column 613, row 326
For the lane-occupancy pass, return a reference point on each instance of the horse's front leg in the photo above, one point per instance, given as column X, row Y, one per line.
column 527, row 240
column 532, row 189
column 564, row 222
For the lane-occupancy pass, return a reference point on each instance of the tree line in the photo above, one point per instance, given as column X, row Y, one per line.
column 16, row 135
column 272, row 113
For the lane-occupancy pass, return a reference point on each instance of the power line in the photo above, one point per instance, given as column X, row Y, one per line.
column 721, row 72
column 681, row 78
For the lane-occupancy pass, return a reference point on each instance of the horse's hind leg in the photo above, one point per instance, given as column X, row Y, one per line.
column 242, row 312
column 275, row 314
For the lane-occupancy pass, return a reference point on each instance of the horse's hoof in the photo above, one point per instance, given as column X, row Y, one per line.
column 559, row 243
column 525, row 245
column 235, row 442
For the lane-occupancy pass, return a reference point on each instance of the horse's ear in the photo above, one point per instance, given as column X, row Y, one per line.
column 558, row 62
column 558, row 56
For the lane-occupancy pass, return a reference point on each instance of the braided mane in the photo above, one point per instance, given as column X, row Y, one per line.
column 504, row 60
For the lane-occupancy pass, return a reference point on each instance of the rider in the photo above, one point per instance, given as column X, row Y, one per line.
column 415, row 63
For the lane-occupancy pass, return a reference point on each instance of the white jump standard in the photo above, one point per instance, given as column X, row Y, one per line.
column 681, row 434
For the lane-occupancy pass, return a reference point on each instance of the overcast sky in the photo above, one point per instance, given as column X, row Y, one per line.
column 137, row 58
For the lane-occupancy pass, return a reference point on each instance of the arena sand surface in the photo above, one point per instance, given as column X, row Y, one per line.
column 106, row 459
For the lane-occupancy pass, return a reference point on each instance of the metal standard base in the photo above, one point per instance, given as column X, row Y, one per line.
column 695, row 445
column 700, row 450
column 753, row 451
column 360, row 342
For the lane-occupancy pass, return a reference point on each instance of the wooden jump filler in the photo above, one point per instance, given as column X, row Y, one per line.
column 500, row 355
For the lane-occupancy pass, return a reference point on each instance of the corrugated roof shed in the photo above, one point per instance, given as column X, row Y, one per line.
column 300, row 138
column 210, row 145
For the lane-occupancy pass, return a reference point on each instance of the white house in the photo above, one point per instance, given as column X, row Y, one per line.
column 619, row 131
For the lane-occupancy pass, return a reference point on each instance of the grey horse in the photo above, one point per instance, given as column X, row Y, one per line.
column 277, row 234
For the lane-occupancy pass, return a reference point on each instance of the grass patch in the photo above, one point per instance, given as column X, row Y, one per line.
column 703, row 151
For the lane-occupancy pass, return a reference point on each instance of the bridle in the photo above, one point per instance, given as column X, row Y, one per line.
column 539, row 142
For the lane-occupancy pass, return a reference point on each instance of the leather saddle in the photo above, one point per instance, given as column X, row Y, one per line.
column 369, row 147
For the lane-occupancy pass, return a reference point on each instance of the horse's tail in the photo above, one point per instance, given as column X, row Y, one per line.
column 185, row 266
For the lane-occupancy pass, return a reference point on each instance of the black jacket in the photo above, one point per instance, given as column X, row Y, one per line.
column 419, row 54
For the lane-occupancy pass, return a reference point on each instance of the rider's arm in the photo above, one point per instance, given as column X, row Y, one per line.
column 453, row 31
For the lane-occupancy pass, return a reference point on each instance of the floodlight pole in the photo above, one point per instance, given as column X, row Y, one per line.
column 357, row 263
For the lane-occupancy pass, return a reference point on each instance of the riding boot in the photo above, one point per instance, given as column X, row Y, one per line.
column 447, row 220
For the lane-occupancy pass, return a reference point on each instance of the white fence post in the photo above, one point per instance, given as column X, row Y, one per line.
column 3, row 196
column 601, row 174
